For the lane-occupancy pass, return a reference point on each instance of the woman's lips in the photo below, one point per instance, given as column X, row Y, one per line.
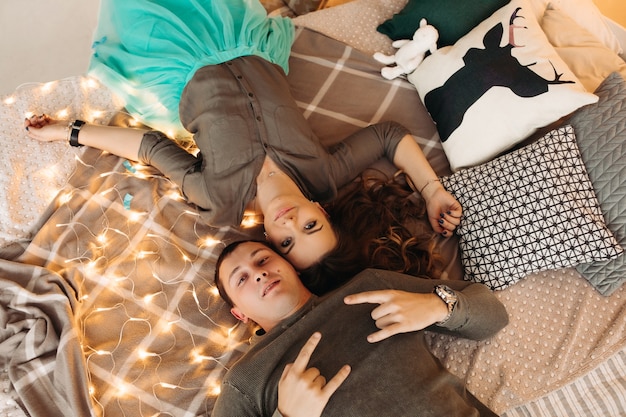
column 282, row 212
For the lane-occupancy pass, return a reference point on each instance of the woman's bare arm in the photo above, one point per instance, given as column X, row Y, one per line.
column 121, row 141
column 444, row 211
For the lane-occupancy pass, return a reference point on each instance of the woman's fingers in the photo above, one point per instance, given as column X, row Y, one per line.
column 37, row 121
column 447, row 223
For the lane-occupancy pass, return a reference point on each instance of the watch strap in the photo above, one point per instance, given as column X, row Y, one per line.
column 74, row 129
column 449, row 297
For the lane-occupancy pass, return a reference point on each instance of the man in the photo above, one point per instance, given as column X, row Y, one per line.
column 345, row 336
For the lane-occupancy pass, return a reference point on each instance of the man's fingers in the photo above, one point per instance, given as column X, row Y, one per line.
column 385, row 333
column 320, row 382
column 332, row 386
column 311, row 374
column 385, row 321
column 302, row 360
column 286, row 371
column 372, row 297
column 387, row 310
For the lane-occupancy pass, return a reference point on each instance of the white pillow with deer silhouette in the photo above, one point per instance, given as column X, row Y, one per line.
column 496, row 86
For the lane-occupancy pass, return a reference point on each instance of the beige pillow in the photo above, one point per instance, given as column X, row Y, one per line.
column 364, row 17
column 588, row 58
column 586, row 14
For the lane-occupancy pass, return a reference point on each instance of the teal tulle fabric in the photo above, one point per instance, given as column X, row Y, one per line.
column 147, row 50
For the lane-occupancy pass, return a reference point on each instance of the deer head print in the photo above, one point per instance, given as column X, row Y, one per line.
column 485, row 68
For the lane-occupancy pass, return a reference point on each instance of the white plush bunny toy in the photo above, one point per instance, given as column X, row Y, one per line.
column 410, row 53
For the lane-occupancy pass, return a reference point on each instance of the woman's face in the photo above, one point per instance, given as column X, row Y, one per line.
column 300, row 230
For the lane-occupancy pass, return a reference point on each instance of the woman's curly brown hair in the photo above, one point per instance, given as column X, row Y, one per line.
column 377, row 224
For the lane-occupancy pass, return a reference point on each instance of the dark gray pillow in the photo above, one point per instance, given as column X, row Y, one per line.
column 601, row 135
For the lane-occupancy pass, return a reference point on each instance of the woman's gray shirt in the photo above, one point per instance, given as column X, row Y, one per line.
column 239, row 112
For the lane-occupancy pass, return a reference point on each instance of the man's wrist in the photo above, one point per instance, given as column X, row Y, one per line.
column 449, row 298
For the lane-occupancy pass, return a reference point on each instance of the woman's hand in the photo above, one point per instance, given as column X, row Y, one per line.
column 45, row 129
column 444, row 211
column 400, row 311
column 303, row 391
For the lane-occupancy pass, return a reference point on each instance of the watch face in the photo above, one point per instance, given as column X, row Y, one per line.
column 449, row 297
column 446, row 294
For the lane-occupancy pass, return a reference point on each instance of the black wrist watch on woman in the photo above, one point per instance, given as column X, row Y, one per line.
column 73, row 134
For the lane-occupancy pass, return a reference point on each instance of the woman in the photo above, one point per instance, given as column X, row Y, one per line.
column 379, row 223
column 220, row 65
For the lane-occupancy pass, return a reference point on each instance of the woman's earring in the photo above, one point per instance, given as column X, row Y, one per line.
column 266, row 236
column 322, row 209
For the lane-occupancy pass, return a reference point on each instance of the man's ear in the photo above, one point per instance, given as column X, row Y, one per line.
column 239, row 315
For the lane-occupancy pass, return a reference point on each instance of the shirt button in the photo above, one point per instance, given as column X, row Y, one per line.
column 250, row 95
column 258, row 118
column 239, row 77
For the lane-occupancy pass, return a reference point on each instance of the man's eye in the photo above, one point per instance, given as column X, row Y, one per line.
column 310, row 225
column 285, row 242
column 242, row 279
column 263, row 260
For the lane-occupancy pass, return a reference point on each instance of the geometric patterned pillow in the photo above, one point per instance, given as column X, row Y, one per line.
column 530, row 210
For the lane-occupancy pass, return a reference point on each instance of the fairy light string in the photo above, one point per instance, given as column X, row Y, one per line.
column 155, row 334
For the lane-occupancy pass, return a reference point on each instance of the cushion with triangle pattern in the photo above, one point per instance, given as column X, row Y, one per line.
column 530, row 210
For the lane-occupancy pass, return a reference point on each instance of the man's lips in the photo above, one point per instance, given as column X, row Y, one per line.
column 282, row 212
column 270, row 287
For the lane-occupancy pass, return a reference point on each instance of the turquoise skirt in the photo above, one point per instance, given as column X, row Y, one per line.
column 146, row 51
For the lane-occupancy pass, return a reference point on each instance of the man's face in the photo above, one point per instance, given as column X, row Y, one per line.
column 262, row 285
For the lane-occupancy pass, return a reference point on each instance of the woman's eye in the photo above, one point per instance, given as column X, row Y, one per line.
column 310, row 225
column 285, row 242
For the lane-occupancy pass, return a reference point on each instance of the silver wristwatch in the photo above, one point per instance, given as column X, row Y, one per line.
column 449, row 297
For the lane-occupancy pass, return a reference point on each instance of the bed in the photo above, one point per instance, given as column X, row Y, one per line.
column 108, row 307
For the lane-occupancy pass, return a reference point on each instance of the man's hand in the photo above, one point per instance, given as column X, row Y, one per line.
column 400, row 311
column 302, row 391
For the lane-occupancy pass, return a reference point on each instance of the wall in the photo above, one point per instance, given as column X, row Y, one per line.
column 44, row 40
column 615, row 9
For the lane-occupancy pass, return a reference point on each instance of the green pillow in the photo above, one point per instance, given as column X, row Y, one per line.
column 452, row 18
